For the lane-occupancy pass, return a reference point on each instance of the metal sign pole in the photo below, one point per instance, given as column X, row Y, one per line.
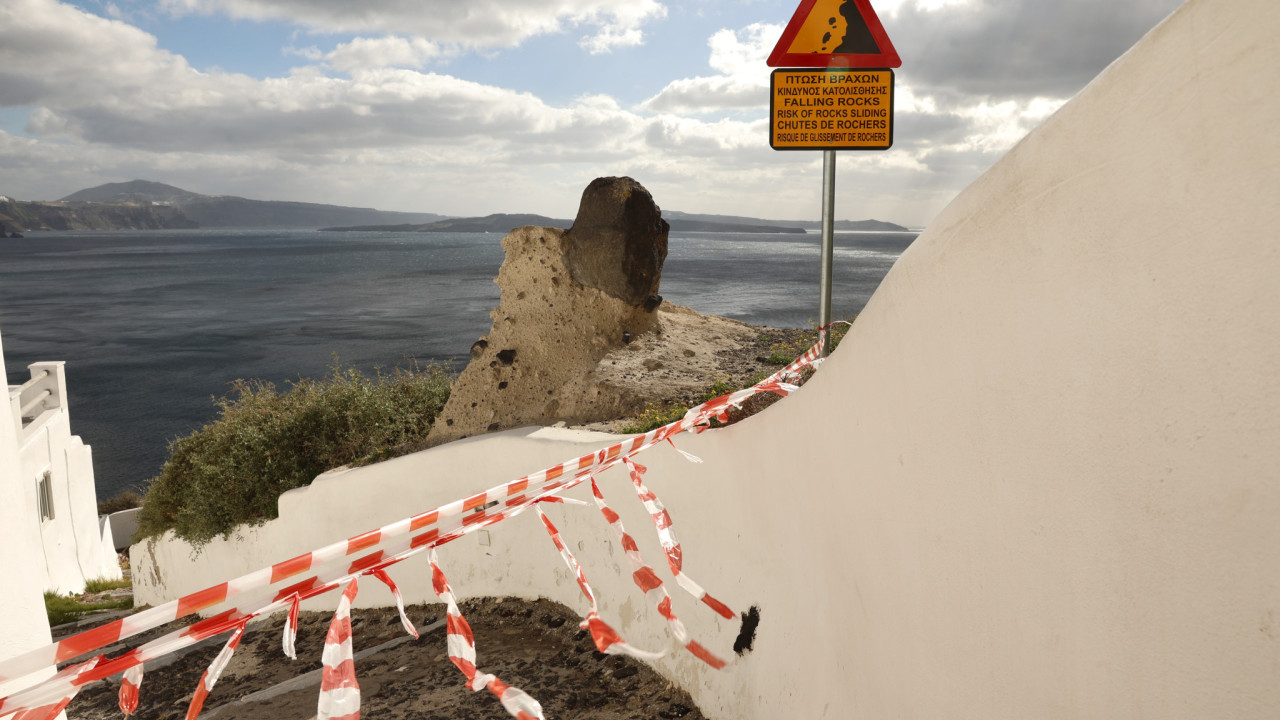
column 828, row 241
column 842, row 91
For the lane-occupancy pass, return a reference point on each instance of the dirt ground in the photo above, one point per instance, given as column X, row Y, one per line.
column 535, row 646
column 737, row 365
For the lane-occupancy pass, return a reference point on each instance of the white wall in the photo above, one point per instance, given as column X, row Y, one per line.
column 331, row 508
column 122, row 526
column 73, row 546
column 25, row 625
column 1038, row 479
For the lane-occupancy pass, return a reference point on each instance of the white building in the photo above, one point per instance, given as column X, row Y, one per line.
column 49, row 487
column 52, row 536
column 21, row 554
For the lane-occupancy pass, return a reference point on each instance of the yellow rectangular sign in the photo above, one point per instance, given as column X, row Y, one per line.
column 831, row 109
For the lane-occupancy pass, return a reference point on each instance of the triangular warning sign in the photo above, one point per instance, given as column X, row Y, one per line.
column 834, row 34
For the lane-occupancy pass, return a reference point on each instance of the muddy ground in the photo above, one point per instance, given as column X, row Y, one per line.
column 536, row 646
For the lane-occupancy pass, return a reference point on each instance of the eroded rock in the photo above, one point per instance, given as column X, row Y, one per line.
column 580, row 334
column 618, row 241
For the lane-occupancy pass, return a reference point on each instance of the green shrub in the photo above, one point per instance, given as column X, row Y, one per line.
column 97, row 585
column 126, row 500
column 62, row 609
column 264, row 443
column 784, row 351
column 657, row 415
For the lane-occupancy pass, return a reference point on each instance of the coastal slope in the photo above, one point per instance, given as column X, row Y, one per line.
column 23, row 216
column 679, row 222
column 144, row 205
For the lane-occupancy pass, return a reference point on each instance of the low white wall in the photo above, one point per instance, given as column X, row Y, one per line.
column 1038, row 479
column 95, row 546
column 340, row 504
column 123, row 525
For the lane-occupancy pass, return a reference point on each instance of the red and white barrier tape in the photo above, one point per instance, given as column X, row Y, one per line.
column 649, row 583
column 607, row 640
column 278, row 587
column 667, row 537
column 252, row 605
column 210, row 677
column 462, row 651
column 290, row 635
column 130, row 687
column 64, row 689
column 395, row 592
column 339, row 691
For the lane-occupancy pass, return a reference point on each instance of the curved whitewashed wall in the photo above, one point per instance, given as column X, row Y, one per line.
column 1038, row 480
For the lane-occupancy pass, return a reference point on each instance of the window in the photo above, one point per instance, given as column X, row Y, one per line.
column 44, row 496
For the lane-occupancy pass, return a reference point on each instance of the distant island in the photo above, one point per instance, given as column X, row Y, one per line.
column 145, row 205
column 674, row 216
column 505, row 223
column 37, row 215
column 679, row 221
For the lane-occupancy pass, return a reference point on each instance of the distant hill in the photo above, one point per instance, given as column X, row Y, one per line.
column 24, row 216
column 143, row 204
column 232, row 211
column 675, row 216
column 683, row 222
column 504, row 223
column 496, row 223
column 134, row 191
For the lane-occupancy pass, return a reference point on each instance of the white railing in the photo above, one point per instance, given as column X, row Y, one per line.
column 46, row 391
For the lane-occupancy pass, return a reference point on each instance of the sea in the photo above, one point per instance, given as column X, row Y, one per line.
column 153, row 325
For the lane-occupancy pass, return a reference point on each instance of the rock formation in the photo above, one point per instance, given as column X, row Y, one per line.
column 618, row 241
column 580, row 334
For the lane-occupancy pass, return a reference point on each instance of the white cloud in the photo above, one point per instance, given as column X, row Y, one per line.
column 997, row 127
column 742, row 82
column 611, row 37
column 131, row 105
column 310, row 52
column 742, row 54
column 48, row 123
column 620, row 26
column 1015, row 48
column 121, row 90
column 926, row 125
column 366, row 53
column 54, row 53
column 893, row 7
column 475, row 24
column 365, row 123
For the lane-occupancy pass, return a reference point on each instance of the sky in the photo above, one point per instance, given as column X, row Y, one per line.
column 476, row 107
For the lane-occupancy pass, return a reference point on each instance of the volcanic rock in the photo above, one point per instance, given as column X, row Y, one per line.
column 618, row 241
column 580, row 334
